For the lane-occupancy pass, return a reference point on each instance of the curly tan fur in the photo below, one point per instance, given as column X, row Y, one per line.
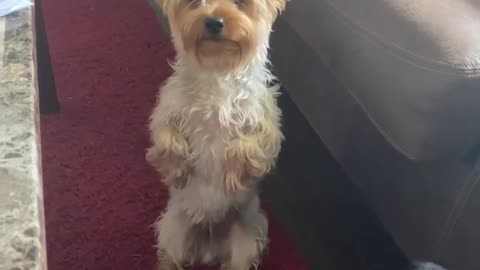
column 215, row 133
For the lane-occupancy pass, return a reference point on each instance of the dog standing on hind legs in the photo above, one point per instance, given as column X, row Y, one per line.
column 216, row 132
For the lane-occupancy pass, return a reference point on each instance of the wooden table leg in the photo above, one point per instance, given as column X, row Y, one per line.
column 46, row 81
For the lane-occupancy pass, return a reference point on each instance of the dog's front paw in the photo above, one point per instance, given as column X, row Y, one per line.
column 258, row 167
column 173, row 168
column 245, row 163
column 168, row 140
column 169, row 155
column 240, row 175
column 235, row 176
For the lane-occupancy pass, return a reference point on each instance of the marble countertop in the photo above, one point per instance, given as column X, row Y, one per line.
column 22, row 237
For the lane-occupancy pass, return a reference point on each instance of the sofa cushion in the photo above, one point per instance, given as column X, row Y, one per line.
column 413, row 66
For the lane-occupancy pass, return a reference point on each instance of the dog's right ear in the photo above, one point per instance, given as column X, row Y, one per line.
column 165, row 5
column 276, row 6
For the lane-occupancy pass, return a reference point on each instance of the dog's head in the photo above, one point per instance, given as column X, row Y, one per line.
column 221, row 35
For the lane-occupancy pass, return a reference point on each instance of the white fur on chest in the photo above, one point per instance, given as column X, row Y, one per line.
column 212, row 113
column 212, row 126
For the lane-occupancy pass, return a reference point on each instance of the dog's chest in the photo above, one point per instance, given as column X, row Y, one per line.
column 209, row 131
column 204, row 132
column 212, row 124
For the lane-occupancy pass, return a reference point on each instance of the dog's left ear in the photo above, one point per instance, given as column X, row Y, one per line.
column 165, row 5
column 277, row 6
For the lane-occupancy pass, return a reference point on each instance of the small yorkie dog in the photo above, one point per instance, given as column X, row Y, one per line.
column 216, row 132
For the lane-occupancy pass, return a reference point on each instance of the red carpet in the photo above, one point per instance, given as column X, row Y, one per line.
column 101, row 197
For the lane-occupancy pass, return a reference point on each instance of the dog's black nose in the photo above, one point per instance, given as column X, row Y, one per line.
column 214, row 25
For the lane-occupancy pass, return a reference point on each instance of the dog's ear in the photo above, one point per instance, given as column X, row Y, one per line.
column 165, row 5
column 276, row 6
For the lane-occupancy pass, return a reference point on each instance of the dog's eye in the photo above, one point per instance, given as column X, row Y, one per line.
column 193, row 3
column 240, row 2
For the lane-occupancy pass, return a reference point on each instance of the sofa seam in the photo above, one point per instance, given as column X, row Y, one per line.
column 455, row 213
column 404, row 54
column 363, row 108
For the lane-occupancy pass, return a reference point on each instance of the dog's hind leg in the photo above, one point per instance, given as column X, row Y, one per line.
column 246, row 242
column 164, row 262
column 172, row 229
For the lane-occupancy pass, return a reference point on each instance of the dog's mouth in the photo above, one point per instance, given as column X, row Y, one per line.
column 211, row 46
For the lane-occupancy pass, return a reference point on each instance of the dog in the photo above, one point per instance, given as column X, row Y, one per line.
column 216, row 132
